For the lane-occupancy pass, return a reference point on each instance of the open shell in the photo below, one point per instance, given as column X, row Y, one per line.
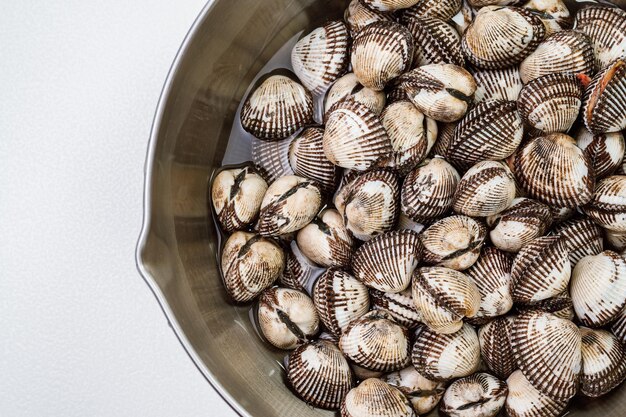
column 326, row 241
column 605, row 150
column 307, row 159
column 492, row 275
column 604, row 105
column 480, row 395
column 495, row 346
column 524, row 400
column 498, row 84
column 399, row 305
column 608, row 206
column 439, row 42
column 373, row 398
column 582, row 237
column 423, row 393
column 604, row 362
column 606, row 26
column 349, row 86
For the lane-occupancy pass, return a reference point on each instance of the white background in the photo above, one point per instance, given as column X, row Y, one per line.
column 80, row 332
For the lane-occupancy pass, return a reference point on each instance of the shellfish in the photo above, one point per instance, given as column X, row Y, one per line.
column 606, row 26
column 498, row 84
column 604, row 104
column 617, row 240
column 480, row 395
column 271, row 159
column 495, row 346
column 524, row 400
column 349, row 86
column 605, row 150
column 608, row 206
column 618, row 328
column 423, row 393
column 439, row 42
column 440, row 9
column 581, row 238
column 374, row 397
column 300, row 272
column 492, row 275
column 326, row 241
column 358, row 15
column 307, row 159
column 604, row 362
column 399, row 305
column 389, row 5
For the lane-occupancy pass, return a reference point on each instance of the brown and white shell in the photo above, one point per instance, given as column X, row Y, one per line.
column 604, row 362
column 478, row 395
column 440, row 9
column 582, row 237
column 492, row 275
column 554, row 14
column 444, row 297
column 250, row 264
column 605, row 150
column 289, row 204
column 482, row 3
column 300, row 272
column 439, row 42
column 442, row 92
column 604, row 104
column 373, row 398
column 381, row 51
column 358, row 15
column 428, row 190
column 387, row 262
column 495, row 346
column 389, row 5
column 277, row 107
column 608, row 206
column 423, row 393
column 399, row 305
column 616, row 240
column 555, row 171
column 524, row 400
column 559, row 305
column 441, row 357
column 606, row 26
column 618, row 328
column 598, row 288
column 349, row 86
column 453, row 242
column 319, row 374
column 307, row 159
column 501, row 37
column 271, row 159
column 561, row 214
column 548, row 351
column 497, row 84
column 326, row 241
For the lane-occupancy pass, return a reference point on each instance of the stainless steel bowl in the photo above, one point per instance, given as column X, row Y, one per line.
column 177, row 252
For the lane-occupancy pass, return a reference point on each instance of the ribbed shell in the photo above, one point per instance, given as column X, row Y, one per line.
column 492, row 275
column 250, row 264
column 357, row 16
column 501, row 37
column 483, row 3
column 354, row 137
column 406, row 223
column 444, row 297
column 381, row 51
column 439, row 42
column 486, row 189
column 444, row 139
column 319, row 374
column 551, row 103
column 564, row 51
column 548, row 351
column 389, row 5
column 608, row 206
column 453, row 242
column 480, row 394
column 495, row 346
column 618, row 328
column 277, row 108
column 524, row 400
column 339, row 299
column 554, row 14
column 555, row 171
column 559, row 305
column 423, row 393
column 300, row 272
column 540, row 270
column 606, row 26
column 561, row 214
column 375, row 398
column 604, row 104
column 581, row 238
column 322, row 56
column 307, row 159
column 399, row 305
column 498, row 84
column 387, row 261
column 604, row 362
column 349, row 86
column 616, row 240
column 375, row 342
column 605, row 150
column 326, row 241
column 491, row 130
column 428, row 191
column 598, row 288
column 442, row 357
column 440, row 9
column 272, row 158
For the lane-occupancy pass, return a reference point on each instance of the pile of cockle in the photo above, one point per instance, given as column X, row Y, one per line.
column 457, row 206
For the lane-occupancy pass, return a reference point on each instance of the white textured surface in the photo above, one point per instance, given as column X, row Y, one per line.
column 80, row 333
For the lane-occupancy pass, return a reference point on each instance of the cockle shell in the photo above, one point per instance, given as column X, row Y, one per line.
column 617, row 240
column 358, row 15
column 606, row 26
column 389, row 5
column 554, row 14
column 524, row 400
column 349, row 86
column 307, row 159
column 608, row 206
column 464, row 17
column 441, row 91
column 604, row 362
column 618, row 328
column 486, row 189
column 453, row 242
column 423, row 393
column 339, row 298
column 478, row 395
column 322, row 56
column 551, row 103
column 277, row 108
column 271, row 159
column 399, row 305
column 300, row 272
column 250, row 264
column 483, row 3
column 605, row 150
column 561, row 214
column 582, row 237
column 287, row 317
column 495, row 346
column 492, row 275
column 598, row 288
column 373, row 398
column 604, row 104
column 560, row 305
column 444, row 297
column 363, row 373
column 442, row 357
column 564, row 51
column 523, row 221
column 326, row 241
column 555, row 171
column 440, row 9
column 439, row 42
column 498, row 84
column 375, row 342
column 319, row 374
column 548, row 351
column 289, row 204
column 381, row 51
column 445, row 135
column 387, row 261
column 428, row 190
column 236, row 195
column 501, row 37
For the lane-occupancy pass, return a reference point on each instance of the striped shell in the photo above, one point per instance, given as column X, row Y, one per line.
column 428, row 191
column 439, row 42
column 478, row 395
column 319, row 374
column 387, row 262
column 486, row 189
column 554, row 14
column 423, row 393
column 307, row 159
column 381, row 51
column 400, row 306
column 618, row 328
column 551, row 103
column 482, row 3
column 277, row 108
column 326, row 241
column 555, row 171
column 320, row 57
column 581, row 237
column 548, row 351
column 559, row 305
column 444, row 297
column 606, row 26
column 604, row 362
column 565, row 51
column 617, row 240
column 561, row 214
column 440, row 9
column 492, row 275
column 444, row 138
column 374, row 398
column 287, row 317
column 289, row 204
column 495, row 346
column 524, row 400
column 389, row 5
column 339, row 298
column 598, row 288
column 442, row 357
column 540, row 270
column 250, row 264
column 605, row 150
column 236, row 195
column 608, row 206
column 300, row 272
column 604, row 104
column 453, row 242
column 498, row 84
column 501, row 37
column 357, row 16
column 375, row 342
column 349, row 86
column 523, row 221
column 271, row 159
column 354, row 137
